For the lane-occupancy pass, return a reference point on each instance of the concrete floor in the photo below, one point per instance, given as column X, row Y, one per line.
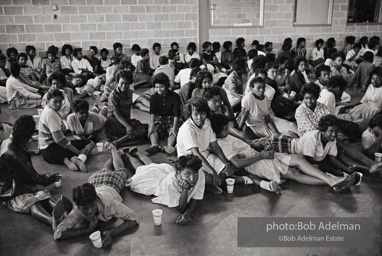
column 214, row 227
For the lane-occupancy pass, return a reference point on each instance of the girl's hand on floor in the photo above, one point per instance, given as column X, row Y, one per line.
column 93, row 224
column 106, row 239
column 216, row 180
column 183, row 219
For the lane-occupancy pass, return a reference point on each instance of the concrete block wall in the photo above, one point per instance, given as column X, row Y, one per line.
column 278, row 24
column 83, row 23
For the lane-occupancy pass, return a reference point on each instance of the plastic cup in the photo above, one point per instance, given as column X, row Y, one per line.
column 292, row 93
column 100, row 147
column 96, row 239
column 57, row 184
column 378, row 157
column 39, row 111
column 157, row 214
column 230, row 185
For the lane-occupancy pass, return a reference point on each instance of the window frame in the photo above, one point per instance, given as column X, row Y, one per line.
column 363, row 23
column 329, row 20
column 211, row 25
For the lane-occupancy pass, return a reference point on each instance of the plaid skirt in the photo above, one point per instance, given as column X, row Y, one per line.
column 280, row 143
column 24, row 202
column 112, row 178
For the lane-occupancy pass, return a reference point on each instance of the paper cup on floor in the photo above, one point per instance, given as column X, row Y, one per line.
column 157, row 214
column 377, row 157
column 100, row 147
column 39, row 111
column 230, row 184
column 96, row 239
column 57, row 184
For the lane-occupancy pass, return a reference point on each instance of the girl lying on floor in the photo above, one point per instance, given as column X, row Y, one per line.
column 179, row 187
column 275, row 167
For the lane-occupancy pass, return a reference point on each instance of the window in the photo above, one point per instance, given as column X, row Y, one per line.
column 313, row 12
column 361, row 11
column 233, row 13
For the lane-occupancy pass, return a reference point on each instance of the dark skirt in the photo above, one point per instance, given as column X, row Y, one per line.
column 55, row 154
column 115, row 130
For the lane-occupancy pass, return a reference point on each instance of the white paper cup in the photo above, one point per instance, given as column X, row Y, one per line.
column 96, row 239
column 157, row 214
column 57, row 184
column 39, row 111
column 230, row 184
column 377, row 157
column 292, row 93
column 100, row 147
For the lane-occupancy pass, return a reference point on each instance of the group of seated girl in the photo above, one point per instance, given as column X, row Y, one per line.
column 258, row 124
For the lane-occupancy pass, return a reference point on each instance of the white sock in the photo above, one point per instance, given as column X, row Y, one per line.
column 247, row 180
column 82, row 157
column 265, row 185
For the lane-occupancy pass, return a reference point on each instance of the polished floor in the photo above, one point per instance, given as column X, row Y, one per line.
column 214, row 227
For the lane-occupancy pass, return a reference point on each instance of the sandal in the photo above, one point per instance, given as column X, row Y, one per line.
column 130, row 151
column 153, row 149
column 358, row 179
column 344, row 184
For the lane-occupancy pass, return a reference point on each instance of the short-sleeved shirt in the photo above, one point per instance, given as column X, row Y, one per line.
column 328, row 99
column 167, row 105
column 317, row 54
column 135, row 59
column 36, row 64
column 187, row 57
column 94, row 123
column 307, row 120
column 143, row 66
column 233, row 83
column 50, row 122
column 258, row 109
column 160, row 180
column 109, row 204
column 373, row 96
column 66, row 63
column 191, row 136
column 183, row 76
column 310, row 144
column 51, row 67
column 122, row 101
column 208, row 56
column 105, row 64
column 368, row 138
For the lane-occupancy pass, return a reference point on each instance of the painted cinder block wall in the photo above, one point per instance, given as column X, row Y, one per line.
column 102, row 22
column 278, row 24
column 83, row 23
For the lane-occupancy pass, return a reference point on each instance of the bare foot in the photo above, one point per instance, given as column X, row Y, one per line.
column 376, row 168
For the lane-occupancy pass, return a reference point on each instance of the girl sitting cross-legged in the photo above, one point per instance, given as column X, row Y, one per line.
column 55, row 147
column 256, row 113
column 181, row 187
column 164, row 115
